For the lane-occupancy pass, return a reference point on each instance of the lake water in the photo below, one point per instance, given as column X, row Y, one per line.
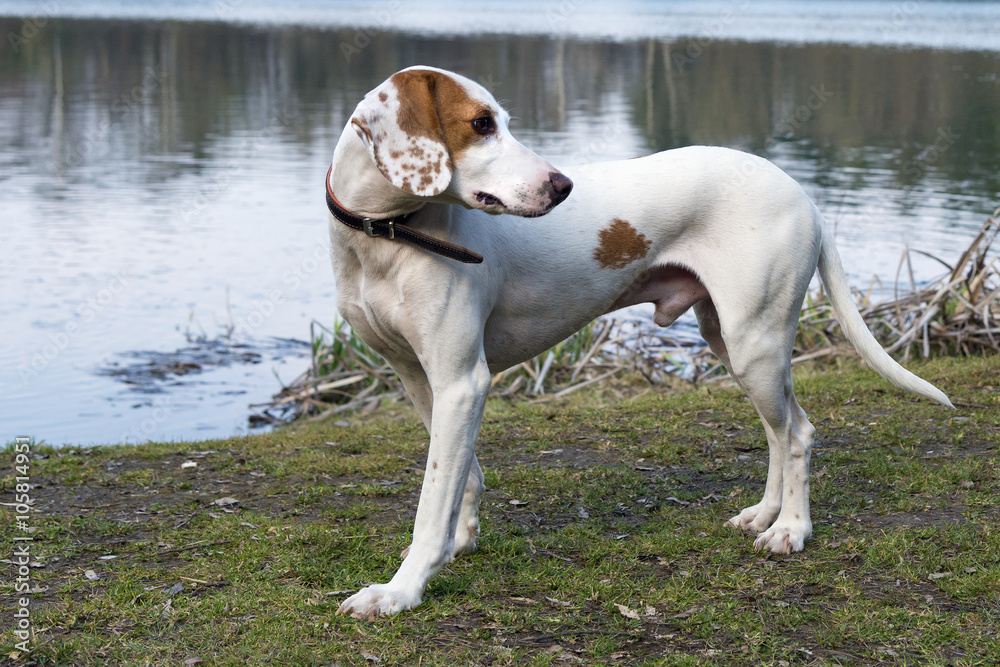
column 161, row 167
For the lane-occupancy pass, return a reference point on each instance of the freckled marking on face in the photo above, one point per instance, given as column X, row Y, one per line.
column 395, row 155
column 619, row 244
column 383, row 97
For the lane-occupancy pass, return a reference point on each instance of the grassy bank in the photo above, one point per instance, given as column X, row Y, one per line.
column 613, row 553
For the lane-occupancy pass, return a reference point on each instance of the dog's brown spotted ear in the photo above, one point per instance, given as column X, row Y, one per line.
column 399, row 124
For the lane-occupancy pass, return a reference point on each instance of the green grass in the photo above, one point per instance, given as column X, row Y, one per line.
column 903, row 567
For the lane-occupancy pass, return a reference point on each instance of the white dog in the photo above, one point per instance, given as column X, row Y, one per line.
column 424, row 158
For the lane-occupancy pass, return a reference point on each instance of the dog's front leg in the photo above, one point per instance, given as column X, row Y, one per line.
column 459, row 399
column 419, row 390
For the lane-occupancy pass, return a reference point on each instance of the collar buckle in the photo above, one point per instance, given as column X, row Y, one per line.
column 366, row 224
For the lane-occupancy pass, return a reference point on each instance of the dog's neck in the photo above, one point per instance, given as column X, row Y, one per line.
column 361, row 188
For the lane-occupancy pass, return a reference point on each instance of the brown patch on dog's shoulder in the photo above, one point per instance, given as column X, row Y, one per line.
column 620, row 244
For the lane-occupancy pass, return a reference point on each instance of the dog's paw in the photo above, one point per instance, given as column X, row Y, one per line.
column 378, row 600
column 784, row 537
column 754, row 519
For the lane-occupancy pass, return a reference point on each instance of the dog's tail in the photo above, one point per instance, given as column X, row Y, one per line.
column 831, row 270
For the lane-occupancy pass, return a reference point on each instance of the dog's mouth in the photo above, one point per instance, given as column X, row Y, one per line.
column 489, row 201
column 494, row 205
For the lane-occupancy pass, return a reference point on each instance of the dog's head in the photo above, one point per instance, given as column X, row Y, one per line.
column 439, row 135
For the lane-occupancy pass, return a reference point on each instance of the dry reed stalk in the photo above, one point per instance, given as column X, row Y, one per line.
column 954, row 315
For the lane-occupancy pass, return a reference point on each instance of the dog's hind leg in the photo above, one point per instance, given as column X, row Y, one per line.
column 760, row 363
column 793, row 526
column 760, row 516
column 708, row 325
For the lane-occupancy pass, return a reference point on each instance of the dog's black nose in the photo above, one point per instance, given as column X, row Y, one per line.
column 561, row 186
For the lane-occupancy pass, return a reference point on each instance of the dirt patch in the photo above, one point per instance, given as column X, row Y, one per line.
column 930, row 517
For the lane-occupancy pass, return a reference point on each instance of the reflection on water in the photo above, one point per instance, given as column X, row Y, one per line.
column 163, row 178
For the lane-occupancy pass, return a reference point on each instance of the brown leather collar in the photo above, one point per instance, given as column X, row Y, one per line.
column 395, row 228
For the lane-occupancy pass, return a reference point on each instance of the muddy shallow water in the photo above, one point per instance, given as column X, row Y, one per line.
column 161, row 175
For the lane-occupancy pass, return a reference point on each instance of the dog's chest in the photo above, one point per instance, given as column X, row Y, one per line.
column 377, row 325
column 370, row 305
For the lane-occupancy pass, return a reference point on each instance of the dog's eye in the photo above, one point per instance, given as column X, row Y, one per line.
column 484, row 125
